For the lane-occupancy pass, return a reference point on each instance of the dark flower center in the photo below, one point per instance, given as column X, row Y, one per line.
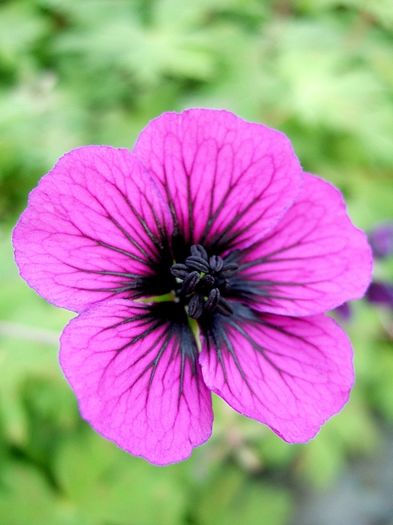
column 203, row 281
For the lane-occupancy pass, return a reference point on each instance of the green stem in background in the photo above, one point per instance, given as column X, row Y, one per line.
column 194, row 327
column 158, row 298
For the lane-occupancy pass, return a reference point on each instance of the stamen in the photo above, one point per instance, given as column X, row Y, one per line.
column 202, row 280
column 190, row 283
column 216, row 263
column 207, row 282
column 179, row 270
column 199, row 251
column 195, row 306
column 212, row 300
column 194, row 262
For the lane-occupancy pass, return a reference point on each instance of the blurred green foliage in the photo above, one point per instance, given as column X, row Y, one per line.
column 95, row 71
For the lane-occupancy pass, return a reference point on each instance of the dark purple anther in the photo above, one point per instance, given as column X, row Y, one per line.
column 195, row 306
column 194, row 262
column 202, row 282
column 199, row 251
column 216, row 263
column 179, row 270
column 212, row 300
column 190, row 283
column 207, row 282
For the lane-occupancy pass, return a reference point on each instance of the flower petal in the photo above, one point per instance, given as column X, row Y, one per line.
column 290, row 373
column 227, row 181
column 134, row 371
column 313, row 260
column 91, row 228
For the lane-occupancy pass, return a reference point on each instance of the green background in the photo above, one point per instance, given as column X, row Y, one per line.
column 95, row 71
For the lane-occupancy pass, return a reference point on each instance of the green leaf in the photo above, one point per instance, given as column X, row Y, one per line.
column 20, row 29
column 29, row 331
column 103, row 484
column 26, row 498
column 229, row 499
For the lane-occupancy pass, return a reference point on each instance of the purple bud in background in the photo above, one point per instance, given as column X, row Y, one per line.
column 381, row 240
column 344, row 312
column 380, row 293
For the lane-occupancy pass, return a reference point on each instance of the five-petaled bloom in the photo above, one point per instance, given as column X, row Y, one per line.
column 201, row 261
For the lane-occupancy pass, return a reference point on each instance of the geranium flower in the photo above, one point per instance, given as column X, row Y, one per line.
column 201, row 261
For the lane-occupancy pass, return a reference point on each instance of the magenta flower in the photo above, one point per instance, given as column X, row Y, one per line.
column 202, row 261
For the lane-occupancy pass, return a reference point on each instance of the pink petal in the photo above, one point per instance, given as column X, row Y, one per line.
column 227, row 180
column 89, row 231
column 137, row 380
column 313, row 260
column 290, row 373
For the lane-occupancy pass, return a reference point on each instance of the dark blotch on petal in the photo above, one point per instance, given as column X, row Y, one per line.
column 230, row 269
column 233, row 257
column 224, row 307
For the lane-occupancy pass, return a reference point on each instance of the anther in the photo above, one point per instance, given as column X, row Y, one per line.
column 212, row 300
column 216, row 263
column 194, row 262
column 190, row 283
column 199, row 251
column 203, row 280
column 195, row 306
column 207, row 282
column 179, row 270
